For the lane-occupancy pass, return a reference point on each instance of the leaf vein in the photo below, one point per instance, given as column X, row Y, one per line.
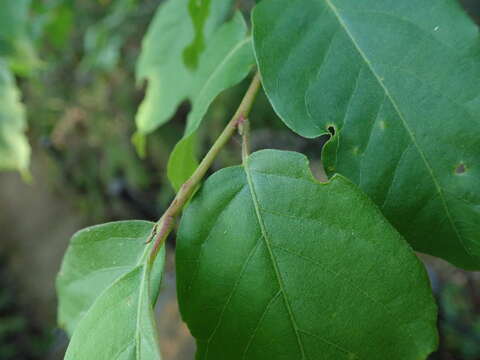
column 328, row 342
column 215, row 223
column 237, row 282
column 262, row 317
column 394, row 177
column 372, row 128
column 404, row 122
column 272, row 257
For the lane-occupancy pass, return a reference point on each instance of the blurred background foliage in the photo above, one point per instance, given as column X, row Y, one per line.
column 74, row 63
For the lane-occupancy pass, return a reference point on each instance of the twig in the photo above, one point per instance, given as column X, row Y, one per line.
column 244, row 130
column 165, row 224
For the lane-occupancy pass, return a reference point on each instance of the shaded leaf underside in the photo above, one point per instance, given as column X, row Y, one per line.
column 97, row 257
column 106, row 292
column 120, row 324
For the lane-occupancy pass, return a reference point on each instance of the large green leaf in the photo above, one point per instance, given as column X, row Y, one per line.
column 14, row 147
column 272, row 264
column 398, row 83
column 226, row 61
column 96, row 258
column 120, row 324
column 161, row 61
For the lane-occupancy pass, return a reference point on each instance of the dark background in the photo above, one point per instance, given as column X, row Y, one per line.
column 81, row 104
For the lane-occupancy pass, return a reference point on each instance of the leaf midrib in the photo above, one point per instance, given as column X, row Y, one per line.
column 221, row 65
column 144, row 286
column 439, row 189
column 213, row 75
column 273, row 260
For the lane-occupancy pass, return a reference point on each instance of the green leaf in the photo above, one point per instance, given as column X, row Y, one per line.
column 397, row 81
column 56, row 23
column 161, row 60
column 199, row 11
column 15, row 42
column 14, row 147
column 227, row 60
column 104, row 40
column 97, row 257
column 273, row 264
column 120, row 324
column 13, row 18
column 182, row 161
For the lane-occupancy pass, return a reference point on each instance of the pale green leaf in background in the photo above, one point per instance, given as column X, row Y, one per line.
column 104, row 40
column 15, row 42
column 53, row 22
column 161, row 60
column 14, row 147
column 199, row 11
column 96, row 258
column 272, row 264
column 226, row 61
column 398, row 83
column 13, row 18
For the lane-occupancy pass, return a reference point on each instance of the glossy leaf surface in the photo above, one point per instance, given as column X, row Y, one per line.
column 226, row 62
column 96, row 258
column 272, row 264
column 398, row 83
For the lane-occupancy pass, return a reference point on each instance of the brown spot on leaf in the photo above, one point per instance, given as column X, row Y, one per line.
column 460, row 169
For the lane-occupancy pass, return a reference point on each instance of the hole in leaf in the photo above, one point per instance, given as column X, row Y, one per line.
column 460, row 169
column 331, row 130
